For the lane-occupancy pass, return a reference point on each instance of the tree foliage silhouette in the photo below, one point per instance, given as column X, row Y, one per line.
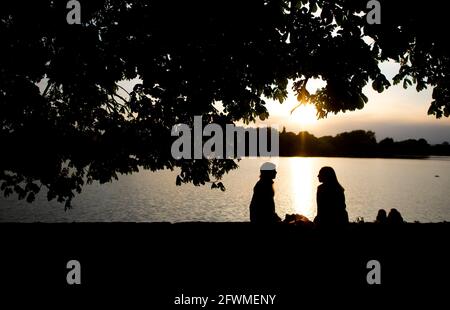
column 186, row 57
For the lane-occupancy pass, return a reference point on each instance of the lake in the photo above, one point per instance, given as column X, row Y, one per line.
column 418, row 188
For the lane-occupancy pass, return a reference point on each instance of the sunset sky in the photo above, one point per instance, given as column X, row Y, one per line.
column 396, row 113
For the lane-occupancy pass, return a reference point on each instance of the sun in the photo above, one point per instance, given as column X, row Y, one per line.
column 305, row 114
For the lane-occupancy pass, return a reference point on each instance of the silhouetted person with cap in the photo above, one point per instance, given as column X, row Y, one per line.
column 394, row 217
column 262, row 206
column 331, row 208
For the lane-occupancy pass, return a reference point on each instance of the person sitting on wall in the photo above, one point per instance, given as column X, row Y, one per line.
column 381, row 217
column 331, row 208
column 262, row 206
column 394, row 217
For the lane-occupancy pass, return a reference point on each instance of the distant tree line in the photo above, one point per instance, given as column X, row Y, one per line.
column 358, row 143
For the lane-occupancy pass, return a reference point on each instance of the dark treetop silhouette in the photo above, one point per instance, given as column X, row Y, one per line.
column 330, row 200
column 262, row 206
column 187, row 55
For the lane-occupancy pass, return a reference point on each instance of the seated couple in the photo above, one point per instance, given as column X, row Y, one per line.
column 331, row 208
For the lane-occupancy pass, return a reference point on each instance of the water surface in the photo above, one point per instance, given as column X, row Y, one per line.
column 418, row 188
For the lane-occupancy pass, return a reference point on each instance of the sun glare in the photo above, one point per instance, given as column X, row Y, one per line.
column 303, row 186
column 305, row 115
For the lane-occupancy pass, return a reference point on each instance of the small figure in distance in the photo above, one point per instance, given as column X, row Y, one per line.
column 262, row 206
column 331, row 208
column 394, row 217
column 381, row 217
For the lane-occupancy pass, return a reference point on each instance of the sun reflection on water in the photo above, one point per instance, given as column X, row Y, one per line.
column 303, row 185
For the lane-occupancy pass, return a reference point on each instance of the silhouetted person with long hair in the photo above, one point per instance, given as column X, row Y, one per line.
column 394, row 217
column 262, row 206
column 381, row 217
column 330, row 200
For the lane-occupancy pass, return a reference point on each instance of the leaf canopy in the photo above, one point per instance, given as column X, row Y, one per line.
column 66, row 120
